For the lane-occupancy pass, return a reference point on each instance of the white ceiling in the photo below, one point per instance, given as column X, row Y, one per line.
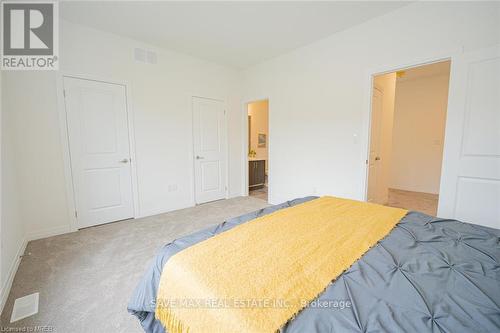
column 237, row 34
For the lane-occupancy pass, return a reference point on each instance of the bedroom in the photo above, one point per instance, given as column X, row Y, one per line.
column 313, row 62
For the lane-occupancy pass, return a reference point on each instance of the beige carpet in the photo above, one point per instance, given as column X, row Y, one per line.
column 421, row 202
column 260, row 193
column 85, row 278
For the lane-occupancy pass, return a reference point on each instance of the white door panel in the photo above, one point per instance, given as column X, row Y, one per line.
column 210, row 174
column 209, row 137
column 375, row 189
column 100, row 152
column 478, row 201
column 470, row 182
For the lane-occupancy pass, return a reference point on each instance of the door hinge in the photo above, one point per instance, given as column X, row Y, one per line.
column 64, row 92
column 76, row 214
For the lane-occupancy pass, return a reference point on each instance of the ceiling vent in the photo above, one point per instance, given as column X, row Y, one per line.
column 145, row 56
column 151, row 57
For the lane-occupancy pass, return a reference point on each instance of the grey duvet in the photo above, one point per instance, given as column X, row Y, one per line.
column 427, row 275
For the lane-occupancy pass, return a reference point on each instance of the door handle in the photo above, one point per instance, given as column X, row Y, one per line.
column 199, row 157
column 125, row 160
column 377, row 158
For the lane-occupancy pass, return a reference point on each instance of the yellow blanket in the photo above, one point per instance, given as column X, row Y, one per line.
column 260, row 274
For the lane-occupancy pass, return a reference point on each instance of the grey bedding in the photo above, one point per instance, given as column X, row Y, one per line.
column 427, row 275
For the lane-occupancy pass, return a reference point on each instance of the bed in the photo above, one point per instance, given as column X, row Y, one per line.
column 427, row 275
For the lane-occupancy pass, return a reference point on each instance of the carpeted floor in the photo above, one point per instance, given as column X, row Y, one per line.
column 422, row 202
column 85, row 278
column 260, row 193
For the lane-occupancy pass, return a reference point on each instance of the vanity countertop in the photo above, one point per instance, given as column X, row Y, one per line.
column 252, row 159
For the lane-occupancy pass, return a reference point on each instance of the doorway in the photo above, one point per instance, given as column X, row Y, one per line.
column 408, row 120
column 258, row 149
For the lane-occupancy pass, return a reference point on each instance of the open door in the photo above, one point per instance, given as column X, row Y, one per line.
column 375, row 190
column 470, row 181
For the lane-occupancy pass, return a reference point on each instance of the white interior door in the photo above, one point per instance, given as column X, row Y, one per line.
column 100, row 151
column 209, row 135
column 470, row 180
column 375, row 190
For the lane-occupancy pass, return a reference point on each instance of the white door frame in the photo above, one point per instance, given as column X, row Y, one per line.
column 246, row 191
column 193, row 176
column 370, row 74
column 63, row 126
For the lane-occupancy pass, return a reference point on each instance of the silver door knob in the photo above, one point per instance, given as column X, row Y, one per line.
column 199, row 157
column 125, row 160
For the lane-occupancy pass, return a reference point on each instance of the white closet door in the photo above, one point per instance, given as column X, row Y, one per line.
column 209, row 137
column 100, row 150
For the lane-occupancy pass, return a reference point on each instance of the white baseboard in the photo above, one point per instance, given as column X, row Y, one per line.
column 153, row 212
column 48, row 232
column 4, row 292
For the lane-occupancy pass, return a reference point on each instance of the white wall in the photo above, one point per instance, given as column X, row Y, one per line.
column 161, row 103
column 418, row 135
column 37, row 156
column 160, row 99
column 320, row 93
column 259, row 111
column 12, row 237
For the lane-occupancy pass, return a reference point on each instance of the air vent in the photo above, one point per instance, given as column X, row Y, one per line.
column 24, row 307
column 151, row 57
column 145, row 56
column 140, row 55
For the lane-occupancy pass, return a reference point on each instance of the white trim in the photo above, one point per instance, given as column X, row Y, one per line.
column 63, row 126
column 191, row 147
column 1, row 198
column 245, row 191
column 63, row 131
column 49, row 232
column 244, row 171
column 5, row 289
column 191, row 151
column 132, row 151
column 385, row 69
column 158, row 211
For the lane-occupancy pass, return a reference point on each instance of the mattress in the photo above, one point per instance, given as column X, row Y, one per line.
column 427, row 275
